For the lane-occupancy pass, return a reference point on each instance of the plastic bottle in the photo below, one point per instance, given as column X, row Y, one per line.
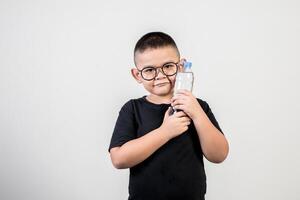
column 184, row 79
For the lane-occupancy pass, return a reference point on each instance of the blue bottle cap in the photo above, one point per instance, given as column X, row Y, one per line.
column 187, row 64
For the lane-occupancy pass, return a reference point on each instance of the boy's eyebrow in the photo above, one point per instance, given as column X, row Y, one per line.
column 171, row 61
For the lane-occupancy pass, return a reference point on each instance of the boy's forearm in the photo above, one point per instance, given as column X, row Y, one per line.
column 213, row 143
column 137, row 150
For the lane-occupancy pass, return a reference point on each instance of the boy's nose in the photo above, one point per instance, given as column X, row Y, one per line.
column 159, row 71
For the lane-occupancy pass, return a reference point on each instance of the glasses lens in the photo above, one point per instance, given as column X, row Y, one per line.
column 169, row 69
column 149, row 73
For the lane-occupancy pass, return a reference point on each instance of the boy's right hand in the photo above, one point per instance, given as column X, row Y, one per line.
column 175, row 124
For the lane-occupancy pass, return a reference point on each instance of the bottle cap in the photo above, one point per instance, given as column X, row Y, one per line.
column 187, row 64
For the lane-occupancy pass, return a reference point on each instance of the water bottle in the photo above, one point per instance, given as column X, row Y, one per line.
column 184, row 79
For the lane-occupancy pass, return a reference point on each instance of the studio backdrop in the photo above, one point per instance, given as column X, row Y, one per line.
column 65, row 73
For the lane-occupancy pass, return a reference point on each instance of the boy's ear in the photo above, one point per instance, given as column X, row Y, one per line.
column 182, row 60
column 136, row 75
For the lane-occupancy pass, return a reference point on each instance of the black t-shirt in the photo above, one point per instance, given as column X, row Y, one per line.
column 175, row 170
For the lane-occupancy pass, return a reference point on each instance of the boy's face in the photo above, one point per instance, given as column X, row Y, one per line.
column 162, row 85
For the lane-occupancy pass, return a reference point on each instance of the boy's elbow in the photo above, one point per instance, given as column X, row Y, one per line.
column 118, row 165
column 117, row 160
column 223, row 154
column 220, row 157
column 216, row 160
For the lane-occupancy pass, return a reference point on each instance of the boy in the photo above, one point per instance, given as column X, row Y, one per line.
column 164, row 151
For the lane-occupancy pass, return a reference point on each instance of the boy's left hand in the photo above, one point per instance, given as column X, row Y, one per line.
column 184, row 100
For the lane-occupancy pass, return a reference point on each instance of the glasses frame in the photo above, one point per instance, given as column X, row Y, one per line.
column 161, row 69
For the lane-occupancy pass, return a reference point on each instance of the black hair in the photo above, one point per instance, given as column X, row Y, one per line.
column 154, row 40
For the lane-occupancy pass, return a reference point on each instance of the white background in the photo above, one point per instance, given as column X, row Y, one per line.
column 65, row 73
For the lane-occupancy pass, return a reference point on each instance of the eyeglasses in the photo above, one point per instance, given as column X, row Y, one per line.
column 168, row 69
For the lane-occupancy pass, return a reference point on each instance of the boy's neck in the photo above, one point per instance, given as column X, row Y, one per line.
column 159, row 99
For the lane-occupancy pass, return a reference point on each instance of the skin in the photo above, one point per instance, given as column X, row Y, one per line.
column 213, row 143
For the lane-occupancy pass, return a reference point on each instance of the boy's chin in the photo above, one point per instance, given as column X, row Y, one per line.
column 165, row 92
column 161, row 91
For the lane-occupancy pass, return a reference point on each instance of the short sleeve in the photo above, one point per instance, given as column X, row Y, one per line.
column 125, row 127
column 210, row 114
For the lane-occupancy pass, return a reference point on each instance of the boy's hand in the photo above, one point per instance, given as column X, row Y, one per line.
column 184, row 100
column 175, row 124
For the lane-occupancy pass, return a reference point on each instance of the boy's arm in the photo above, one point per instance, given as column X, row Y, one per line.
column 213, row 143
column 137, row 150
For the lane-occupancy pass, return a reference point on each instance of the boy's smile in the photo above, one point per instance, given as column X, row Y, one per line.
column 161, row 87
column 161, row 84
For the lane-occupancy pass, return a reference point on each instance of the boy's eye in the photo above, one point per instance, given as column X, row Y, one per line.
column 168, row 66
column 148, row 70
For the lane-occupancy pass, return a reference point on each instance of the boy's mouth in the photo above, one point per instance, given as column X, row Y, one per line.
column 161, row 84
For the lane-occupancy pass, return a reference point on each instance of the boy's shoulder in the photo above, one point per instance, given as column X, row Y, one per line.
column 134, row 100
column 203, row 104
column 130, row 104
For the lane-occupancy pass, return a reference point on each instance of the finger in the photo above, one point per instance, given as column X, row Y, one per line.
column 180, row 114
column 187, row 123
column 177, row 97
column 185, row 119
column 179, row 107
column 183, row 92
column 178, row 102
column 179, row 94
